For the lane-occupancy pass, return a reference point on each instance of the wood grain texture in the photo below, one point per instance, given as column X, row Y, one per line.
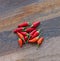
column 49, row 15
column 30, row 10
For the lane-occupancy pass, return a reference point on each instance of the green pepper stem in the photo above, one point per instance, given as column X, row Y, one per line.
column 28, row 38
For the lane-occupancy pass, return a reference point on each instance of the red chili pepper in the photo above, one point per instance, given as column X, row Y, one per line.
column 34, row 40
column 40, row 40
column 20, row 42
column 30, row 29
column 35, row 24
column 23, row 24
column 18, row 29
column 26, row 38
column 24, row 33
column 35, row 34
column 20, row 36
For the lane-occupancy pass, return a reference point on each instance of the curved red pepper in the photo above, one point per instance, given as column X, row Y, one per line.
column 33, row 40
column 26, row 38
column 20, row 42
column 30, row 29
column 23, row 24
column 35, row 24
column 18, row 29
column 21, row 36
column 36, row 34
column 33, row 32
column 24, row 33
column 40, row 40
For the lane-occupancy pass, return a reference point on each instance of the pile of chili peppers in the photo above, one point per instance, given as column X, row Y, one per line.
column 28, row 33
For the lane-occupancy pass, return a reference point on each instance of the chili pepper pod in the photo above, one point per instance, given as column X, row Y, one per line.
column 40, row 40
column 20, row 42
column 24, row 33
column 21, row 36
column 34, row 40
column 26, row 38
column 24, row 24
column 35, row 24
column 35, row 34
column 29, row 29
column 19, row 29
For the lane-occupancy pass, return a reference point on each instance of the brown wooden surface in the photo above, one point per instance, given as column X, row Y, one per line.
column 49, row 15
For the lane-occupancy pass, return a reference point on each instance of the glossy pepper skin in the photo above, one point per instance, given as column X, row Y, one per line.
column 18, row 29
column 24, row 24
column 21, row 36
column 34, row 40
column 31, row 34
column 26, row 38
column 35, row 24
column 40, row 40
column 35, row 34
column 29, row 29
column 24, row 33
column 20, row 42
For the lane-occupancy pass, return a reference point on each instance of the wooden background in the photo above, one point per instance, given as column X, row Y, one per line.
column 14, row 12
